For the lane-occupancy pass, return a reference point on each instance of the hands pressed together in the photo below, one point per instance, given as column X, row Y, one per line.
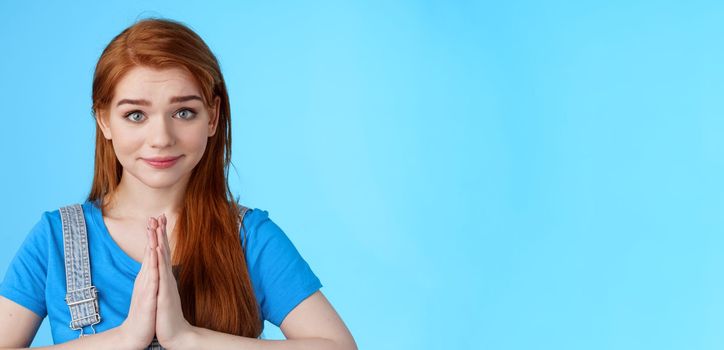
column 155, row 305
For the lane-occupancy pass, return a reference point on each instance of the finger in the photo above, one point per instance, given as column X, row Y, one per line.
column 165, row 237
column 153, row 263
column 162, row 274
column 161, row 270
column 162, row 242
column 149, row 246
column 150, row 239
column 149, row 261
column 153, row 240
column 152, row 271
column 152, row 222
column 164, row 250
column 151, row 266
column 164, row 290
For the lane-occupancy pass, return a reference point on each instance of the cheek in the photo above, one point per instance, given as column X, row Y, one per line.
column 126, row 142
column 196, row 141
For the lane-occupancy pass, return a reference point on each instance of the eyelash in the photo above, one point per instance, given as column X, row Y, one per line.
column 193, row 112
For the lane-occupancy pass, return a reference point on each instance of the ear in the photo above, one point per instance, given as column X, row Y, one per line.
column 214, row 117
column 103, row 124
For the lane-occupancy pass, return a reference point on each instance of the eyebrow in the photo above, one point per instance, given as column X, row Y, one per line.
column 175, row 99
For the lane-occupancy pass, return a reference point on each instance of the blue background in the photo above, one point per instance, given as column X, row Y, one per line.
column 460, row 175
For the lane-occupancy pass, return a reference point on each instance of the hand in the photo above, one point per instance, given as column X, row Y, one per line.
column 171, row 326
column 140, row 324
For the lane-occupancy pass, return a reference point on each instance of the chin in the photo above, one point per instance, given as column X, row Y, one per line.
column 157, row 179
column 161, row 180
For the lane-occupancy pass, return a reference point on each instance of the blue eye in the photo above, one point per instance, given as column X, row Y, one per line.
column 186, row 113
column 130, row 116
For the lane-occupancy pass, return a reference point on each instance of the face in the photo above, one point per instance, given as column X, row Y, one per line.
column 156, row 115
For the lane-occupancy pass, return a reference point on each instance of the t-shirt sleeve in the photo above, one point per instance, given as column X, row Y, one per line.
column 281, row 277
column 24, row 281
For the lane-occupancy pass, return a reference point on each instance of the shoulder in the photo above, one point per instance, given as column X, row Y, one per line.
column 44, row 227
column 38, row 240
column 253, row 221
column 253, row 216
column 261, row 234
column 54, row 216
column 50, row 223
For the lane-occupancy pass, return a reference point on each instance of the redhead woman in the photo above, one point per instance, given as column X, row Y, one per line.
column 160, row 255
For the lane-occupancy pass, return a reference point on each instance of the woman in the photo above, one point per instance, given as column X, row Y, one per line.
column 208, row 271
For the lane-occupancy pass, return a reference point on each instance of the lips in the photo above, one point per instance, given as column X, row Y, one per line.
column 161, row 162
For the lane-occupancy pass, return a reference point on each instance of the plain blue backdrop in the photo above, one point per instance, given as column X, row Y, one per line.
column 459, row 174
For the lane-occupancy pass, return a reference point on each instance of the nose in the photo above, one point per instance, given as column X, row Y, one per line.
column 160, row 132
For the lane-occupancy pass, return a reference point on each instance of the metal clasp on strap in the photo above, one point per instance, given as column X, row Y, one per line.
column 85, row 335
column 83, row 305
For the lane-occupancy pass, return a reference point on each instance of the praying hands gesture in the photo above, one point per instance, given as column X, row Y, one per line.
column 156, row 310
column 155, row 305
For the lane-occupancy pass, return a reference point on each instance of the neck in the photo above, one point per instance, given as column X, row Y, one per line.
column 135, row 200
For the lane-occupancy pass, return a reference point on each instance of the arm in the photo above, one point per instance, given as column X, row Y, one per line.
column 313, row 324
column 19, row 325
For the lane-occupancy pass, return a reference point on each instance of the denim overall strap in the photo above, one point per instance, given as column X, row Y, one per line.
column 241, row 215
column 81, row 296
column 242, row 212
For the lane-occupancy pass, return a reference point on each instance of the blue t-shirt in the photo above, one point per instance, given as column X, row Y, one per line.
column 35, row 279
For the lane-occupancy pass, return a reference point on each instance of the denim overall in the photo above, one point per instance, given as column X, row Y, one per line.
column 82, row 296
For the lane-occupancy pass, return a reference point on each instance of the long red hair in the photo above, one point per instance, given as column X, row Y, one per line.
column 213, row 280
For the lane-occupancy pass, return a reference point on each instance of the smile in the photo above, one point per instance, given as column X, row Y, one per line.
column 162, row 163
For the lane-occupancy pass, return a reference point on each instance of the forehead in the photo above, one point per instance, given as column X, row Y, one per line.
column 155, row 85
